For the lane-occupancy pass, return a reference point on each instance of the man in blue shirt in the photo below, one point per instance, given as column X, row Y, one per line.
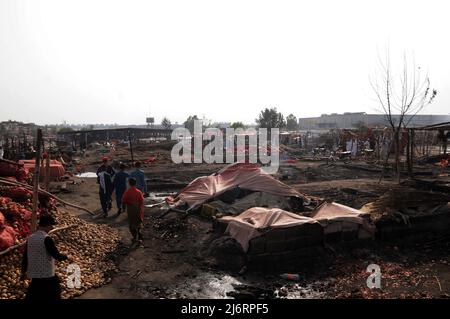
column 139, row 175
column 120, row 186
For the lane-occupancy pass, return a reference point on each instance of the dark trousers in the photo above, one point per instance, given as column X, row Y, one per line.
column 44, row 288
column 134, row 222
column 136, row 231
column 119, row 194
column 105, row 201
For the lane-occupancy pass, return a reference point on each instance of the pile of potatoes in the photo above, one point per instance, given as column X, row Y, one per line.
column 11, row 287
column 90, row 246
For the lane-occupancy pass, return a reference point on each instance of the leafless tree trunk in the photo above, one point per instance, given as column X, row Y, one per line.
column 401, row 97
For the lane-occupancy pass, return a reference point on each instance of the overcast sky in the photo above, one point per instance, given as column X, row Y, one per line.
column 120, row 61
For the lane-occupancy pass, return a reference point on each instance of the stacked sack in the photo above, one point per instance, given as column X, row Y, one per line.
column 14, row 172
column 7, row 234
column 15, row 215
column 16, row 205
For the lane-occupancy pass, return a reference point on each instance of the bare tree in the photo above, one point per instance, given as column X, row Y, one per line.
column 401, row 97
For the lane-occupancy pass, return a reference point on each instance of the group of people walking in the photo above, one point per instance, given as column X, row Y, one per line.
column 111, row 181
column 129, row 190
column 38, row 263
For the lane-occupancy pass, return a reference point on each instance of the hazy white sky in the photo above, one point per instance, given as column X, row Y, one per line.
column 116, row 61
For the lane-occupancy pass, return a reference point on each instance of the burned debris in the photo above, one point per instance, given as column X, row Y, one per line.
column 334, row 205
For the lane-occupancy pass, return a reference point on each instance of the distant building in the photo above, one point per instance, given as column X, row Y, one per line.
column 16, row 129
column 222, row 124
column 354, row 120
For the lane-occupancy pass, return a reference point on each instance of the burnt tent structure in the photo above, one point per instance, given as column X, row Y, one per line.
column 443, row 130
column 444, row 133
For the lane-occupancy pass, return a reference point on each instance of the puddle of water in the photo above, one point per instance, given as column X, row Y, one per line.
column 87, row 175
column 217, row 285
column 207, row 285
column 297, row 291
column 156, row 197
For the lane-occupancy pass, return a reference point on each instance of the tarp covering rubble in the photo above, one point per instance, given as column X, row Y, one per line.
column 256, row 221
column 263, row 209
column 333, row 212
column 243, row 175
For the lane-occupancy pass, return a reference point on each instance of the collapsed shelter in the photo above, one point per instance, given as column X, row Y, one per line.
column 268, row 218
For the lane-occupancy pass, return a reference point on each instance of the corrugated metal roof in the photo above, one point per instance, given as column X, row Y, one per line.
column 438, row 126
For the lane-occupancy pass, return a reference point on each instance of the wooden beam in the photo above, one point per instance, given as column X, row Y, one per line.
column 36, row 180
column 413, row 145
column 408, row 152
column 43, row 192
column 131, row 146
column 47, row 172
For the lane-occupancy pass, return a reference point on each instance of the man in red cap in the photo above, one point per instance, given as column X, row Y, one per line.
column 105, row 174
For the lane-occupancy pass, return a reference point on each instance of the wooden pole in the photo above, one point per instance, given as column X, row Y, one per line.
column 444, row 142
column 24, row 241
column 36, row 180
column 47, row 172
column 131, row 146
column 85, row 142
column 408, row 152
column 44, row 167
column 413, row 134
column 378, row 147
column 422, row 135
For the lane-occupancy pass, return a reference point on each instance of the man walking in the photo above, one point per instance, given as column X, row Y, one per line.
column 105, row 174
column 38, row 262
column 133, row 202
column 139, row 176
column 120, row 186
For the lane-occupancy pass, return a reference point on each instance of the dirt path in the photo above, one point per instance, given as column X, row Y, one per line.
column 166, row 260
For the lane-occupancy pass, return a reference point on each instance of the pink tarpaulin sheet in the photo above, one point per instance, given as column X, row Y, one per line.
column 251, row 223
column 337, row 212
column 254, row 221
column 245, row 175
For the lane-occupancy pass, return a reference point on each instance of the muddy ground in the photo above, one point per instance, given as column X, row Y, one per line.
column 174, row 263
